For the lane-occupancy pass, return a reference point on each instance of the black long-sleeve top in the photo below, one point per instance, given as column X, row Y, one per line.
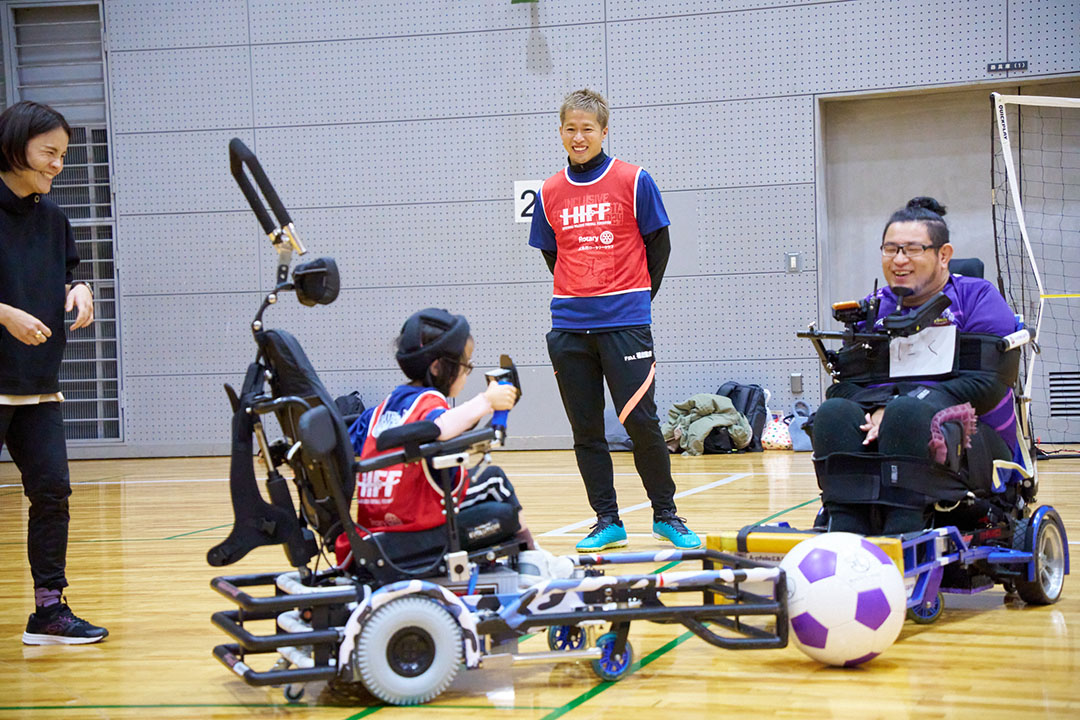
column 37, row 258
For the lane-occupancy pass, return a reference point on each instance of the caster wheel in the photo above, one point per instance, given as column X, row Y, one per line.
column 293, row 693
column 923, row 615
column 565, row 637
column 612, row 667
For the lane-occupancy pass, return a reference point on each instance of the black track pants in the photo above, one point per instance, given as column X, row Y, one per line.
column 624, row 358
column 34, row 435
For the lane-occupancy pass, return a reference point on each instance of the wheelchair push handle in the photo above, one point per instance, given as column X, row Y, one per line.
column 240, row 155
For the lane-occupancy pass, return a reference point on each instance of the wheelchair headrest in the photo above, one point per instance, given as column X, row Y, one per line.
column 971, row 267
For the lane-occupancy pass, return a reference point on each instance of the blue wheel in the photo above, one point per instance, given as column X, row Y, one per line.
column 612, row 667
column 565, row 637
column 922, row 614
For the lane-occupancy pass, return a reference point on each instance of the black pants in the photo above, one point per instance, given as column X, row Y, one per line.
column 905, row 430
column 624, row 358
column 34, row 435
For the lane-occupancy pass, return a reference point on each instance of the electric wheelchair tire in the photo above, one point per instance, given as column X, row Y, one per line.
column 923, row 615
column 1048, row 550
column 409, row 651
column 294, row 693
column 609, row 666
column 565, row 637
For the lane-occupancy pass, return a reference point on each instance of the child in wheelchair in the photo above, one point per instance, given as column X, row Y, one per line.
column 401, row 502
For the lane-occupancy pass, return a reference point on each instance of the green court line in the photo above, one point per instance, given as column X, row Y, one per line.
column 584, row 697
column 784, row 512
column 196, row 532
column 588, row 695
column 160, row 706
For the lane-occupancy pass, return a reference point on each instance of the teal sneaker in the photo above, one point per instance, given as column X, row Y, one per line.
column 669, row 526
column 607, row 533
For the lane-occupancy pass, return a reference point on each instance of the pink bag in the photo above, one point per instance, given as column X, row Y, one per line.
column 776, row 436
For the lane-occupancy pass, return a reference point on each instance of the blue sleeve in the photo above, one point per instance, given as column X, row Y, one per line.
column 359, row 428
column 540, row 233
column 651, row 215
column 434, row 414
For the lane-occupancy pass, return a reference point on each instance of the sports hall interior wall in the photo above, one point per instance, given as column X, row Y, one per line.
column 394, row 133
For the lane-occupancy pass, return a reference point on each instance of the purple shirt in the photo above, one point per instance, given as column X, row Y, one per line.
column 977, row 306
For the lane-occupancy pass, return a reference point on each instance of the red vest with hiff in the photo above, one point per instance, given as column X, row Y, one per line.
column 600, row 248
column 402, row 497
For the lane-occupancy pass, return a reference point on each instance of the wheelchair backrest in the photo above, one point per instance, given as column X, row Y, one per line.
column 291, row 374
column 972, row 267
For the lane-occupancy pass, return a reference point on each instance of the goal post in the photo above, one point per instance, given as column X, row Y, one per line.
column 1035, row 199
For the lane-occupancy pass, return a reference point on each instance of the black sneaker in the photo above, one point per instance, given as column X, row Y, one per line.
column 60, row 626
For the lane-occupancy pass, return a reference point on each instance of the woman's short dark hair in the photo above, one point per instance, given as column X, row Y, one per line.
column 928, row 211
column 19, row 124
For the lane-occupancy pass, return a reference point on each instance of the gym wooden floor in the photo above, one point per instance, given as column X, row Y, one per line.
column 141, row 529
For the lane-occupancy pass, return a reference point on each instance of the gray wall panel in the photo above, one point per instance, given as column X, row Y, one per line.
column 750, row 229
column 178, row 172
column 194, row 89
column 185, row 411
column 1046, row 33
column 710, row 318
column 796, row 50
column 187, row 334
column 143, row 24
column 431, row 77
column 409, row 162
column 391, row 246
column 633, row 9
column 286, row 21
column 197, row 252
column 723, row 144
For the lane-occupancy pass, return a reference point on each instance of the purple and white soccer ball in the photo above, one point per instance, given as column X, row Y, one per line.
column 846, row 598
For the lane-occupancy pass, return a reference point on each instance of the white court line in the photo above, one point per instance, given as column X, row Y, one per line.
column 622, row 511
column 136, row 482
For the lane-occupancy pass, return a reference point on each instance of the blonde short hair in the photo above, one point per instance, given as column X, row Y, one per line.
column 588, row 101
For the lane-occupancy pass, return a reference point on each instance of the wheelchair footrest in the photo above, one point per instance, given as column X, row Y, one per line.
column 231, row 656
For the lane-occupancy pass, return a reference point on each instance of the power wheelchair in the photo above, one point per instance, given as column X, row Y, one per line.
column 985, row 528
column 408, row 610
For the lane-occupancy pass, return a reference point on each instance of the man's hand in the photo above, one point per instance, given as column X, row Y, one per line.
column 23, row 326
column 79, row 297
column 873, row 424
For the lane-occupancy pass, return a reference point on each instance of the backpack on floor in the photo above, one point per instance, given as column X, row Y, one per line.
column 750, row 401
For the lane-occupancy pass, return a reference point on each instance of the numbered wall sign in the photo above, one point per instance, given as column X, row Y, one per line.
column 525, row 194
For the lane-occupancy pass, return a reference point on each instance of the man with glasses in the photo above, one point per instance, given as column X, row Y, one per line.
column 894, row 418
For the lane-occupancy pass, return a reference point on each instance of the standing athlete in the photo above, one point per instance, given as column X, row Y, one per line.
column 603, row 231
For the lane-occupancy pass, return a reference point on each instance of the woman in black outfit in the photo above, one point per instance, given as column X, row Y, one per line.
column 37, row 258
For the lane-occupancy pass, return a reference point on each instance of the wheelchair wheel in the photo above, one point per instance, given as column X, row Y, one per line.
column 1048, row 551
column 409, row 651
column 923, row 615
column 612, row 667
column 565, row 637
